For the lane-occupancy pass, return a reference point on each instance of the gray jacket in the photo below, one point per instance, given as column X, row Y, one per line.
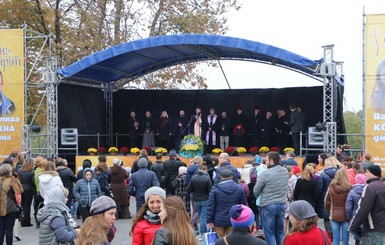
column 272, row 185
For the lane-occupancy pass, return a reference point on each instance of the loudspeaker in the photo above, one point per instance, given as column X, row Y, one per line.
column 69, row 136
column 315, row 137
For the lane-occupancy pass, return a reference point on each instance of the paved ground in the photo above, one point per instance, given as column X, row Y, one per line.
column 30, row 235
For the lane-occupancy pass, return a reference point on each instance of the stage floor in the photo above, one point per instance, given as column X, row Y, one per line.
column 128, row 160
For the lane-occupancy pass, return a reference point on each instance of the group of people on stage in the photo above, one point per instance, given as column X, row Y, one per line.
column 265, row 128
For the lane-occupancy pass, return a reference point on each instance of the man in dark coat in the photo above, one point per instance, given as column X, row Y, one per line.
column 158, row 167
column 67, row 177
column 239, row 128
column 224, row 131
column 133, row 129
column 180, row 129
column 295, row 127
column 171, row 168
column 224, row 163
column 281, row 128
column 267, row 129
column 142, row 154
column 256, row 127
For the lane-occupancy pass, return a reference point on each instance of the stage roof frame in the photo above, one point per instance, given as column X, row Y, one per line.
column 125, row 62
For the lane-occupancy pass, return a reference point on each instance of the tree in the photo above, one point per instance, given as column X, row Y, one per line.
column 353, row 123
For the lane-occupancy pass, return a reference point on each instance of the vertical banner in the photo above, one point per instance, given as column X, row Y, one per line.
column 375, row 88
column 11, row 90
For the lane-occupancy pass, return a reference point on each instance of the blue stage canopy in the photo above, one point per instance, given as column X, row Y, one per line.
column 137, row 58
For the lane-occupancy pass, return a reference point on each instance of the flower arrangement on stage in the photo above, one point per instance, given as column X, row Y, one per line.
column 101, row 150
column 275, row 148
column 161, row 150
column 254, row 150
column 191, row 146
column 148, row 149
column 134, row 150
column 241, row 150
column 124, row 150
column 92, row 150
column 264, row 149
column 288, row 149
column 113, row 149
column 230, row 150
column 217, row 151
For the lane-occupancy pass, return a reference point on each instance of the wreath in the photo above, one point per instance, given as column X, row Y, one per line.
column 191, row 146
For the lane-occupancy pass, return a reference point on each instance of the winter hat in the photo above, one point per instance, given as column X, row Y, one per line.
column 116, row 161
column 301, row 210
column 101, row 205
column 296, row 170
column 155, row 190
column 258, row 160
column 142, row 163
column 375, row 170
column 128, row 170
column 182, row 170
column 241, row 216
column 172, row 153
column 226, row 173
column 360, row 179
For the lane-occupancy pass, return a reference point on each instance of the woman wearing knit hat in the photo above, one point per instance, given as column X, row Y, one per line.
column 147, row 220
column 304, row 230
column 99, row 227
column 242, row 218
column 176, row 228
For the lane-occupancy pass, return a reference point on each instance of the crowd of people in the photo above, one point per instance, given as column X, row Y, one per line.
column 263, row 128
column 267, row 201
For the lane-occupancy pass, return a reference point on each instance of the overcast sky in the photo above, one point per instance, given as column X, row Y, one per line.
column 302, row 27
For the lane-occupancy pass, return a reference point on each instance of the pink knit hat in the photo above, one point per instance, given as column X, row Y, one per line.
column 241, row 216
column 360, row 179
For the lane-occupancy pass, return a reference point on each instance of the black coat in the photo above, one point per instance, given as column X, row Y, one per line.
column 27, row 179
column 67, row 177
column 240, row 236
column 132, row 131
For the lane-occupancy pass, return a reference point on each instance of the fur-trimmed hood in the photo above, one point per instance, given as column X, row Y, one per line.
column 6, row 183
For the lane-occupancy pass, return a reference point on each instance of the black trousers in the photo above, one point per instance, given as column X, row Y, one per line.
column 6, row 228
column 84, row 212
column 26, row 202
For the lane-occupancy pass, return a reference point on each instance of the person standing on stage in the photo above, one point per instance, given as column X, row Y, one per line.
column 212, row 129
column 165, row 130
column 239, row 128
column 256, row 127
column 197, row 122
column 148, row 130
column 224, row 131
column 133, row 129
column 281, row 128
column 180, row 129
column 267, row 129
column 295, row 127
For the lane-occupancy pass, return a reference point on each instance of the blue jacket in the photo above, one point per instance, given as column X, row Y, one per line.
column 289, row 162
column 229, row 166
column 7, row 106
column 87, row 191
column 323, row 184
column 140, row 181
column 191, row 170
column 221, row 198
column 354, row 196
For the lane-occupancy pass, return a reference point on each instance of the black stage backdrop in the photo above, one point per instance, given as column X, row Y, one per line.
column 83, row 107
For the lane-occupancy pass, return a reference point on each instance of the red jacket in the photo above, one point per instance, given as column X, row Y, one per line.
column 312, row 236
column 144, row 233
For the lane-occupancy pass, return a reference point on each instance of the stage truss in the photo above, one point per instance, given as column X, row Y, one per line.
column 329, row 70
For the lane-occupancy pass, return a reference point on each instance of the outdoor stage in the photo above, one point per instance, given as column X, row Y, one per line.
column 129, row 160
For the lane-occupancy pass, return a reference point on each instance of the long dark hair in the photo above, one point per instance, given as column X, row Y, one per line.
column 139, row 216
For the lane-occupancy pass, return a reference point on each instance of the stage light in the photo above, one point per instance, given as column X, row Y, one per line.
column 36, row 128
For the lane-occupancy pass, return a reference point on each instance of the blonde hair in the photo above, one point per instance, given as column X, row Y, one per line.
column 94, row 230
column 49, row 166
column 177, row 223
column 40, row 162
column 307, row 172
column 341, row 179
column 332, row 162
column 17, row 159
column 197, row 160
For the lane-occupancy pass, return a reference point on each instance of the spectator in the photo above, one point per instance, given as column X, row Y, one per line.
column 371, row 210
column 321, row 163
column 306, row 188
column 142, row 154
column 176, row 228
column 241, row 218
column 99, row 227
column 26, row 174
column 86, row 191
column 158, row 167
column 118, row 188
column 48, row 179
column 289, row 161
column 293, row 172
column 140, row 182
column 221, row 198
column 304, row 226
column 86, row 164
column 55, row 219
column 354, row 196
column 200, row 186
column 102, row 177
column 171, row 168
column 224, row 163
column 147, row 220
column 18, row 161
column 38, row 200
column 11, row 192
column 67, row 177
column 340, row 153
column 272, row 185
column 335, row 201
column 193, row 169
column 182, row 186
column 245, row 173
column 366, row 163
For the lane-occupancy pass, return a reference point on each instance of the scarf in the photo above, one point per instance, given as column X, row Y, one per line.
column 152, row 218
